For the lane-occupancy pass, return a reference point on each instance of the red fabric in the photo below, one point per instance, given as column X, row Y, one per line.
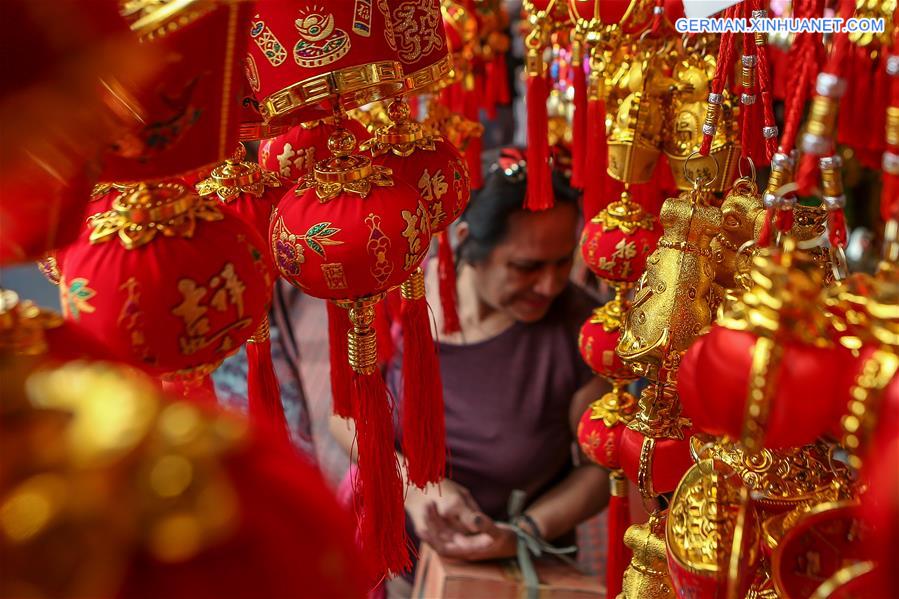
column 293, row 154
column 424, row 429
column 619, row 553
column 420, row 38
column 130, row 298
column 440, row 176
column 806, row 376
column 383, row 517
column 579, row 127
column 614, row 255
column 289, row 43
column 292, row 539
column 446, row 276
column 670, row 459
column 188, row 124
column 256, row 210
column 263, row 390
column 350, row 247
column 200, row 390
column 597, row 347
column 342, row 400
column 539, row 185
column 600, row 443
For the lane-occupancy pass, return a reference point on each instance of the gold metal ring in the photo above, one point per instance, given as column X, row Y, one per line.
column 699, row 182
column 751, row 168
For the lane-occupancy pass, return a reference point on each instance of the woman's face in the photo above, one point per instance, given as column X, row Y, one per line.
column 528, row 269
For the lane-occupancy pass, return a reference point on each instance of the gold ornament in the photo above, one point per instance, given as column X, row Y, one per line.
column 646, row 577
column 137, row 216
column 234, row 177
column 401, row 135
column 344, row 172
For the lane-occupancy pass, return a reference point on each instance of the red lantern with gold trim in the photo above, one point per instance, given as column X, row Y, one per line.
column 348, row 234
column 167, row 280
column 293, row 153
column 616, row 242
column 656, row 465
column 420, row 42
column 193, row 109
column 310, row 57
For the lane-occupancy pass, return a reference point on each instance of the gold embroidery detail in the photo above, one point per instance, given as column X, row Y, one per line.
column 167, row 208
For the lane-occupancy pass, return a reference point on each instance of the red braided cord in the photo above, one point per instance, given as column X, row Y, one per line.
column 804, row 54
column 765, row 95
column 750, row 132
column 723, row 68
column 836, row 63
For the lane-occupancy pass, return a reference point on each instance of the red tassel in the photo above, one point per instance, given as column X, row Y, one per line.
column 619, row 556
column 767, row 226
column 341, row 379
column 539, row 186
column 424, row 430
column 596, row 192
column 200, row 390
column 473, row 158
column 579, row 127
column 500, row 79
column 836, row 226
column 807, row 174
column 785, row 220
column 382, row 329
column 263, row 391
column 446, row 276
column 383, row 517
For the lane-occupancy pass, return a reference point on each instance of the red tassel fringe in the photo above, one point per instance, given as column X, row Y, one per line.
column 446, row 278
column 619, row 555
column 424, row 429
column 596, row 178
column 263, row 391
column 341, row 373
column 539, row 187
column 579, row 127
column 382, row 329
column 383, row 517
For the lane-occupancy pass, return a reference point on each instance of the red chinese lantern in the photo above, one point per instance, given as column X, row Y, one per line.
column 194, row 107
column 310, row 57
column 293, row 153
column 617, row 241
column 168, row 280
column 656, row 465
column 434, row 167
column 348, row 234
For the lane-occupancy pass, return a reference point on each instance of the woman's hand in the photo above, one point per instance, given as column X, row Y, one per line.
column 447, row 517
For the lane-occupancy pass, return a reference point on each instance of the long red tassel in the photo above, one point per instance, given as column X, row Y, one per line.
column 500, row 79
column 579, row 126
column 424, row 429
column 539, row 187
column 596, row 192
column 385, row 339
column 619, row 556
column 446, row 279
column 383, row 517
column 341, row 374
column 263, row 391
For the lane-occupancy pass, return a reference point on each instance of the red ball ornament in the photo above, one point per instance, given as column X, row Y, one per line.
column 617, row 241
column 797, row 389
column 602, row 425
column 167, row 280
column 597, row 340
column 425, row 161
column 655, row 465
column 351, row 231
column 244, row 189
column 293, row 153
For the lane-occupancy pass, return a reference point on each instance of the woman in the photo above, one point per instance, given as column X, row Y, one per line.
column 514, row 383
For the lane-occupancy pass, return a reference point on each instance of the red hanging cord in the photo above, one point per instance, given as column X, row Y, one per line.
column 722, row 71
column 889, row 199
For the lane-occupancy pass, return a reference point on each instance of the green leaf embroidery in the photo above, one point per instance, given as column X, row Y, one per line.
column 315, row 247
column 314, row 230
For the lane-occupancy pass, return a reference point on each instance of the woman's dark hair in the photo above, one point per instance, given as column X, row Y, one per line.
column 502, row 195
